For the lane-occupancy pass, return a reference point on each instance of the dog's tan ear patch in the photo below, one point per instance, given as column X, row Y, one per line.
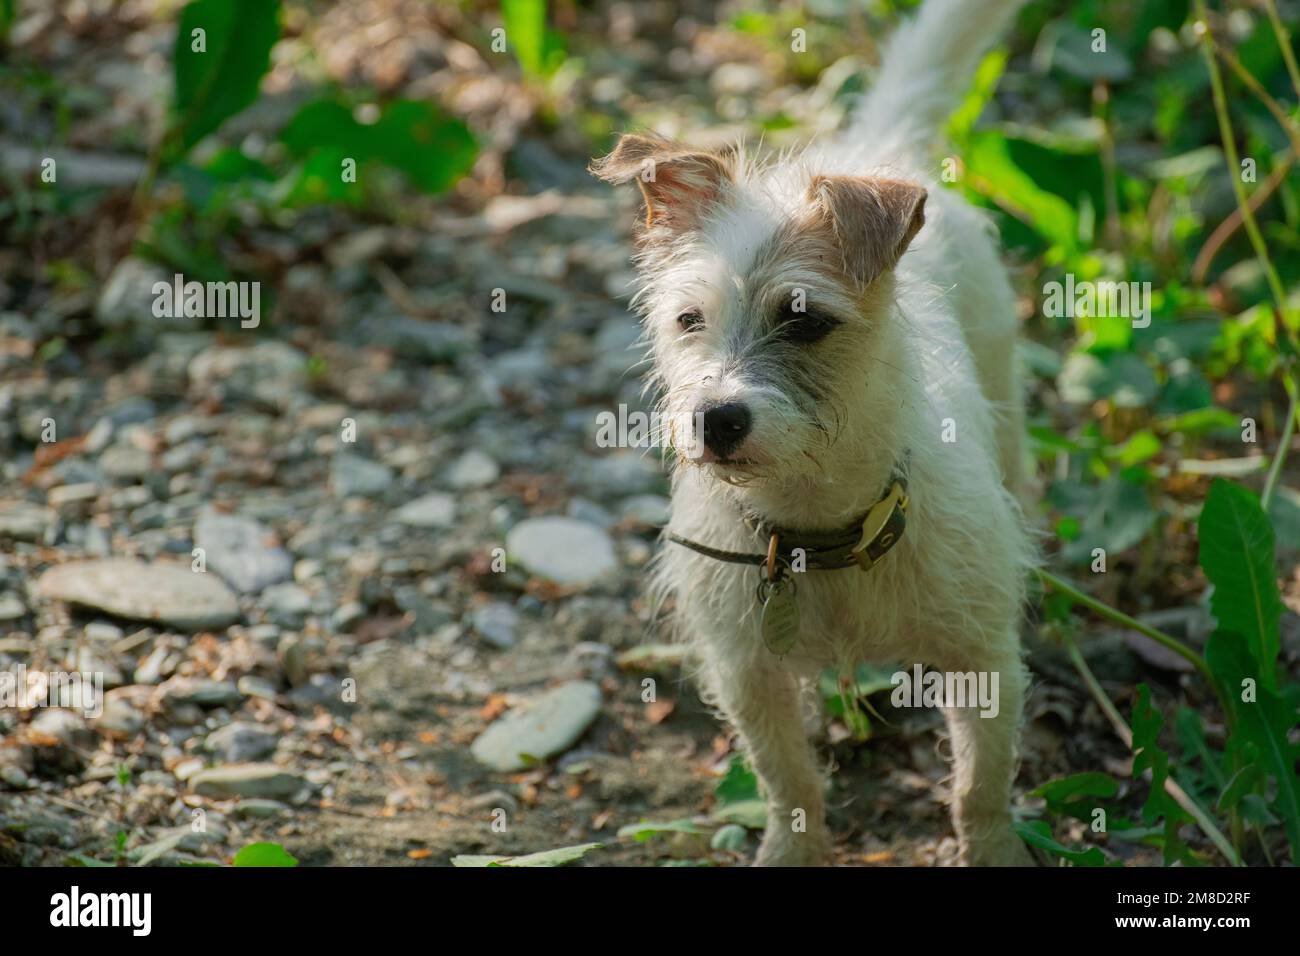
column 873, row 220
column 677, row 182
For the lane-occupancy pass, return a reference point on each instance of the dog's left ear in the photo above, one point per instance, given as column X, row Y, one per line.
column 873, row 220
column 678, row 183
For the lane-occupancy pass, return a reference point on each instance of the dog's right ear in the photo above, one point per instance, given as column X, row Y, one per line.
column 678, row 183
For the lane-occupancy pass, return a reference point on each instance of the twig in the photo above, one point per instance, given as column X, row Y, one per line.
column 1224, row 231
column 1234, row 173
column 1121, row 728
column 1284, row 41
column 1287, row 122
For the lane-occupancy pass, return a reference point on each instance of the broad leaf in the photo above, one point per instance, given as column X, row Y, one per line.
column 1236, row 542
column 220, row 79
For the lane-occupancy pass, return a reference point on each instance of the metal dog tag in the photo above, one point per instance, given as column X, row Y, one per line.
column 778, row 619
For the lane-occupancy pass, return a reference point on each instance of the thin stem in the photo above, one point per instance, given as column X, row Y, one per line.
column 1284, row 41
column 1247, row 78
column 1119, row 617
column 1234, row 170
column 1284, row 444
column 1125, row 734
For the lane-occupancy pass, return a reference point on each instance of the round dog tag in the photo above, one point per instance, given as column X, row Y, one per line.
column 778, row 620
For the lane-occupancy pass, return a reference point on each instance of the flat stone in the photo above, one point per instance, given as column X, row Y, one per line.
column 241, row 742
column 474, row 469
column 23, row 521
column 11, row 607
column 547, row 725
column 244, row 552
column 202, row 692
column 262, row 780
column 353, row 475
column 564, row 550
column 649, row 510
column 435, row 510
column 498, row 623
column 169, row 594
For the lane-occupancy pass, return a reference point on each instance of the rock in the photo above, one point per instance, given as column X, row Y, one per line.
column 263, row 780
column 201, row 692
column 65, row 496
column 252, row 686
column 128, row 296
column 269, row 373
column 260, row 809
column 287, row 604
column 241, row 742
column 23, row 521
column 11, row 608
column 619, row 474
column 168, row 594
column 497, row 623
column 564, row 550
column 126, row 463
column 474, row 469
column 293, row 658
column 121, row 718
column 353, row 475
column 244, row 552
column 548, row 725
column 62, row 725
column 103, row 632
column 648, row 510
column 435, row 510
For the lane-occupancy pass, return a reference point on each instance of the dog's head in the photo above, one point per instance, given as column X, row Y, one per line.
column 764, row 292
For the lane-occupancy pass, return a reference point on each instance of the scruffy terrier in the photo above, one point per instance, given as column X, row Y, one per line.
column 842, row 330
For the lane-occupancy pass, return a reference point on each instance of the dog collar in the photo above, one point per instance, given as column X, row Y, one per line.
column 861, row 544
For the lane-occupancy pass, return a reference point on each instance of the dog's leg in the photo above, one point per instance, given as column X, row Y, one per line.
column 762, row 701
column 984, row 765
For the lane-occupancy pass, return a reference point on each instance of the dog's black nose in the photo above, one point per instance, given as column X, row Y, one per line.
column 725, row 427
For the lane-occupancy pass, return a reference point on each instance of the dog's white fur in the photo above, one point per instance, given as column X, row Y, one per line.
column 930, row 339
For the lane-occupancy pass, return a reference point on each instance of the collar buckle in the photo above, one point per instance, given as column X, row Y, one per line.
column 877, row 535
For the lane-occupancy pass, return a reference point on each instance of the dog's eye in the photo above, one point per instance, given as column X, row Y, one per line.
column 804, row 327
column 690, row 320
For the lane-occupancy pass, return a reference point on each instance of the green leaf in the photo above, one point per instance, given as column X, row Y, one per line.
column 746, row 813
column 1236, row 553
column 1038, row 834
column 737, row 784
column 1261, row 726
column 557, row 857
column 220, row 80
column 536, row 49
column 1148, row 755
column 432, row 149
column 646, row 829
column 264, row 854
column 991, row 172
column 1077, row 795
column 730, row 837
column 987, row 75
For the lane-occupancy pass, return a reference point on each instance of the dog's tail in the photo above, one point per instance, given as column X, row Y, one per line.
column 927, row 66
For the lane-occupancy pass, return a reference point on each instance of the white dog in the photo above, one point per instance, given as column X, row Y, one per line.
column 842, row 332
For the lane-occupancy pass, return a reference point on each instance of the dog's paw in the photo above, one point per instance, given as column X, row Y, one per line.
column 794, row 849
